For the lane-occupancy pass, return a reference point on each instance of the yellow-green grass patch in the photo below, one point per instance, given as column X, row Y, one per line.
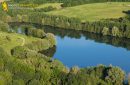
column 11, row 40
column 95, row 11
column 55, row 5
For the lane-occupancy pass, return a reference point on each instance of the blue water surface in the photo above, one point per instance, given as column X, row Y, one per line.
column 84, row 53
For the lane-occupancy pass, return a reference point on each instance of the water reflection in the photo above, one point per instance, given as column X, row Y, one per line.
column 87, row 49
column 117, row 42
column 50, row 52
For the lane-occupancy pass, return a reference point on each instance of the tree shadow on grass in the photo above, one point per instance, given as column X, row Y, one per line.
column 126, row 12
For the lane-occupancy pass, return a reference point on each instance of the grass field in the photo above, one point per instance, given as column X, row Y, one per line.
column 11, row 40
column 55, row 5
column 95, row 11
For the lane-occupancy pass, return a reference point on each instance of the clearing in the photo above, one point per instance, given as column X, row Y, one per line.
column 11, row 40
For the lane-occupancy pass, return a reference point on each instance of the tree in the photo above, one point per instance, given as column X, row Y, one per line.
column 105, row 31
column 115, row 76
column 51, row 39
column 19, row 18
column 19, row 52
column 129, row 78
column 4, row 26
column 24, row 18
column 115, row 31
column 74, row 70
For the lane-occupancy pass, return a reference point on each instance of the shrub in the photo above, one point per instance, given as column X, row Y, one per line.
column 35, row 82
column 46, row 9
column 105, row 31
column 18, row 82
column 35, row 32
column 4, row 26
column 129, row 78
column 8, row 38
column 19, row 52
column 5, row 78
column 74, row 70
column 115, row 76
column 115, row 31
column 39, row 45
column 51, row 39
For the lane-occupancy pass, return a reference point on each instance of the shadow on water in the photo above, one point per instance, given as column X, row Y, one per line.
column 50, row 52
column 62, row 33
column 114, row 41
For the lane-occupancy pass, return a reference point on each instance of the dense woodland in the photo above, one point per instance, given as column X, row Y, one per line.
column 112, row 27
column 115, row 41
column 37, row 69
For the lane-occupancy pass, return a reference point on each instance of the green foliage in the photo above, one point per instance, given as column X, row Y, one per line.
column 129, row 79
column 28, row 67
column 45, row 9
column 95, row 76
column 35, row 32
column 127, row 32
column 51, row 38
column 106, row 27
column 74, row 70
column 115, row 31
column 50, row 52
column 36, row 70
column 39, row 45
column 5, row 78
column 35, row 82
column 105, row 31
column 18, row 82
column 116, row 27
column 20, row 52
column 4, row 26
column 8, row 38
column 4, row 16
column 115, row 76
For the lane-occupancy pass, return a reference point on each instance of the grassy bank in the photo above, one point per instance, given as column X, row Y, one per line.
column 95, row 11
column 102, row 18
column 11, row 40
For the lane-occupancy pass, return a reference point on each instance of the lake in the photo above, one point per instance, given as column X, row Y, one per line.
column 82, row 49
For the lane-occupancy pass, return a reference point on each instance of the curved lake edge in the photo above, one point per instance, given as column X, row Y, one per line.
column 114, row 41
column 119, row 43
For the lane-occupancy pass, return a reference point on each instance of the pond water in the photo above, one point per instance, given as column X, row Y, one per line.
column 82, row 49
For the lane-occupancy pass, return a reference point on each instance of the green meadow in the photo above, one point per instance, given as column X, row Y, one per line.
column 11, row 40
column 95, row 11
column 54, row 5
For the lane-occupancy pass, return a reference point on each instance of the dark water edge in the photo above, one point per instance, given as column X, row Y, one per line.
column 83, row 49
column 114, row 41
column 100, row 49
